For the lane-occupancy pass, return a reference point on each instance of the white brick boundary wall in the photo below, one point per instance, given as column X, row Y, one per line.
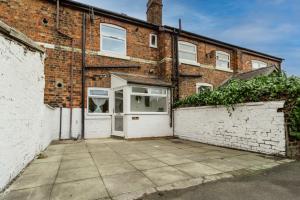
column 27, row 126
column 256, row 127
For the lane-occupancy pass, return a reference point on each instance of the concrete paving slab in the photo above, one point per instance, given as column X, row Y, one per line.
column 135, row 156
column 125, row 183
column 148, row 164
column 75, row 156
column 112, row 169
column 130, row 168
column 197, row 169
column 79, row 190
column 76, row 174
column 78, row 163
column 165, row 175
column 48, row 158
column 223, row 165
column 32, row 180
column 173, row 159
column 37, row 193
column 42, row 168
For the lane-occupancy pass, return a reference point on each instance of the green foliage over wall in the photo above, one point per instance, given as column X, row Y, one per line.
column 264, row 88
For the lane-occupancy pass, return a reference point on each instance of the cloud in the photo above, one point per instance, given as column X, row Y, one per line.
column 256, row 33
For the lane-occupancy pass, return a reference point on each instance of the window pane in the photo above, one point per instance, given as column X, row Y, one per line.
column 222, row 64
column 148, row 104
column 203, row 88
column 119, row 123
column 119, row 101
column 98, row 105
column 114, row 32
column 187, row 56
column 153, row 40
column 113, row 45
column 99, row 92
column 139, row 90
column 185, row 47
column 222, row 56
column 158, row 91
column 258, row 64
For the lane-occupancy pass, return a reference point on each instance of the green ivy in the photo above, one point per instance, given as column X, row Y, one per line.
column 264, row 88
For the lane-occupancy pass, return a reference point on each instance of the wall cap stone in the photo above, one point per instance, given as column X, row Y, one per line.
column 277, row 104
column 20, row 37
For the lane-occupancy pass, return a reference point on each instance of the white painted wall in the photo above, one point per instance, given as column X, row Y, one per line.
column 147, row 125
column 95, row 126
column 255, row 127
column 27, row 126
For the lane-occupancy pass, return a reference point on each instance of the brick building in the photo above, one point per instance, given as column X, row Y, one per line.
column 118, row 75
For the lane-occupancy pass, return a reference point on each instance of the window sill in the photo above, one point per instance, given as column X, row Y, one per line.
column 89, row 116
column 224, row 69
column 190, row 63
column 113, row 55
column 147, row 113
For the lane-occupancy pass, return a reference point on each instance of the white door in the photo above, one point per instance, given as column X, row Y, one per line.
column 118, row 115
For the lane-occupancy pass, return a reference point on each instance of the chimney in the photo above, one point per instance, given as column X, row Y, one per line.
column 154, row 12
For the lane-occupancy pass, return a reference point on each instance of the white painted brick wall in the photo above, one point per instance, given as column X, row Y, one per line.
column 27, row 126
column 255, row 127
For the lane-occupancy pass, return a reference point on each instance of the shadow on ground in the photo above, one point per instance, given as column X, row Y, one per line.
column 279, row 183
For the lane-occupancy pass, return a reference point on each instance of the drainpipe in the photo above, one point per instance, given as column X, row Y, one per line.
column 175, row 72
column 60, row 122
column 83, row 75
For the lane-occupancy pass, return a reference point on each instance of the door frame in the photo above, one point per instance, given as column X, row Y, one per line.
column 114, row 114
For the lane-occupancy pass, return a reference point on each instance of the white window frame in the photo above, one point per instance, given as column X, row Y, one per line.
column 150, row 40
column 148, row 94
column 259, row 63
column 118, row 38
column 203, row 84
column 186, row 61
column 223, row 53
column 99, row 96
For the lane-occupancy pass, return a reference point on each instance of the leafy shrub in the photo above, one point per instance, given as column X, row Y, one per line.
column 264, row 88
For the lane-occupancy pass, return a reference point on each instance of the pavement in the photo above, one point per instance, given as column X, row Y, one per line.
column 279, row 183
column 120, row 169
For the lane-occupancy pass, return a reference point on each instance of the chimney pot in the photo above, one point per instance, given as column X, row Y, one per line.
column 154, row 12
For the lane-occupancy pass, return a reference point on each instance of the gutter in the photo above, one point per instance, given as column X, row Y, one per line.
column 121, row 17
column 219, row 43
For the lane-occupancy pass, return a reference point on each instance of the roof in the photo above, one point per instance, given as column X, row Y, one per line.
column 252, row 74
column 218, row 42
column 126, row 18
column 255, row 73
column 142, row 79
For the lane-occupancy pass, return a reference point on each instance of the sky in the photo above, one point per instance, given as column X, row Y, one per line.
column 269, row 26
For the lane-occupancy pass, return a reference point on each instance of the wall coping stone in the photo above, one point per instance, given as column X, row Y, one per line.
column 20, row 37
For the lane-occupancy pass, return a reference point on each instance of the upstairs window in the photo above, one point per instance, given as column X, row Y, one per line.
column 153, row 40
column 256, row 64
column 187, row 52
column 202, row 87
column 98, row 101
column 113, row 39
column 222, row 60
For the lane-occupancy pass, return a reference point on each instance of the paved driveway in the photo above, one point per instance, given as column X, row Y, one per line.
column 118, row 169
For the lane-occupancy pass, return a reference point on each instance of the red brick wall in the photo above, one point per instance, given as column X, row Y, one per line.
column 28, row 16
